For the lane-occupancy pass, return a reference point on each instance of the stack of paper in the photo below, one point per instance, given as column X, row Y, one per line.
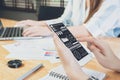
column 32, row 49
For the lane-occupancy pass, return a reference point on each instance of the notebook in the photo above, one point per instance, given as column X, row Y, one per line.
column 59, row 74
column 11, row 33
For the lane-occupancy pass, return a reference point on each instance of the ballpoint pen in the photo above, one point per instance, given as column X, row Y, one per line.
column 30, row 72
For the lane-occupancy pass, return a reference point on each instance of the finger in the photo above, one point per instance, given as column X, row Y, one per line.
column 61, row 48
column 56, row 39
column 99, row 44
column 82, row 36
column 93, row 41
column 33, row 35
column 27, row 29
column 58, row 42
column 27, row 33
column 96, row 51
column 93, row 48
column 84, row 39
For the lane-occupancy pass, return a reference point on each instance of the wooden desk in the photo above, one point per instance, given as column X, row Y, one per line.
column 7, row 73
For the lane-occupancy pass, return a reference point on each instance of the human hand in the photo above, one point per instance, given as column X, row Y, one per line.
column 69, row 62
column 62, row 50
column 36, row 31
column 103, row 53
column 27, row 23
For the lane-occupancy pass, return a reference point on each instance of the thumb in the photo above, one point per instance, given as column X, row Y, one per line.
column 95, row 51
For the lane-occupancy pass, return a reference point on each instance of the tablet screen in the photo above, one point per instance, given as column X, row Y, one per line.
column 69, row 40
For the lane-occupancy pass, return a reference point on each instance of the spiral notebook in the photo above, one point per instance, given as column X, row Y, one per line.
column 59, row 74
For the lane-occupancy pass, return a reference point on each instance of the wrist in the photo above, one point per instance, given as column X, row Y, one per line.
column 86, row 30
column 48, row 31
column 116, row 66
column 81, row 31
column 42, row 23
column 76, row 75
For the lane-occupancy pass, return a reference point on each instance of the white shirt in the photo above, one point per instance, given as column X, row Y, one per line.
column 75, row 13
column 105, row 22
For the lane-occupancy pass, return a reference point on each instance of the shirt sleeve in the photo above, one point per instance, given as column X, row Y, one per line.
column 115, row 31
column 65, row 16
column 103, row 19
column 68, row 11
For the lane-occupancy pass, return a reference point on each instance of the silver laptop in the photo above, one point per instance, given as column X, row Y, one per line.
column 12, row 33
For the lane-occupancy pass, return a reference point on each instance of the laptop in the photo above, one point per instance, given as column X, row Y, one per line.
column 12, row 33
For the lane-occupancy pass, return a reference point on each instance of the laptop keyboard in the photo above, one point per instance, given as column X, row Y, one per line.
column 12, row 32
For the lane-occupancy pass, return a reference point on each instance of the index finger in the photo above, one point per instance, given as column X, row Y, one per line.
column 93, row 41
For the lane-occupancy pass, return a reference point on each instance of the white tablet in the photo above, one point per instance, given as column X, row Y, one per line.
column 82, row 54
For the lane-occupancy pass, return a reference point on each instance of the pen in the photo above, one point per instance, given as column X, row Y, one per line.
column 30, row 72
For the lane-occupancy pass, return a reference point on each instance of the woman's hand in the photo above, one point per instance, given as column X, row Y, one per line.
column 103, row 53
column 70, row 64
column 28, row 23
column 36, row 31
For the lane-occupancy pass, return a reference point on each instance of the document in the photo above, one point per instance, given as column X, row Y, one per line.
column 32, row 49
column 58, row 73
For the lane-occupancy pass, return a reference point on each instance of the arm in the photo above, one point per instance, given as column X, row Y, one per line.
column 30, row 23
column 79, row 31
column 70, row 64
column 103, row 53
column 98, row 24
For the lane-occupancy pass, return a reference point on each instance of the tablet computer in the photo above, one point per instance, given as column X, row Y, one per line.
column 80, row 52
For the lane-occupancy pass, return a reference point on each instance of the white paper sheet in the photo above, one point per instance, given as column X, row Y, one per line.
column 30, row 49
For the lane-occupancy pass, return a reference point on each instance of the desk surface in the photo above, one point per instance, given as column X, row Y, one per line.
column 7, row 73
